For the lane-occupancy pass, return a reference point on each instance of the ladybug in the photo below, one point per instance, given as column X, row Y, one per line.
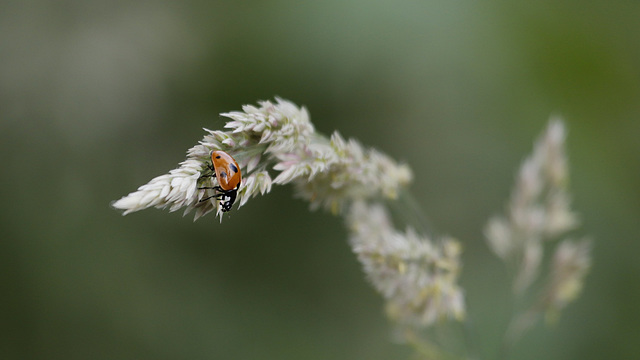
column 227, row 171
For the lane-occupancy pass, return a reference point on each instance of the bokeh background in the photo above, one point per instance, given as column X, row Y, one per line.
column 98, row 97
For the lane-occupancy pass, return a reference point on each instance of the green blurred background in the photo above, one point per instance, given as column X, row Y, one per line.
column 98, row 97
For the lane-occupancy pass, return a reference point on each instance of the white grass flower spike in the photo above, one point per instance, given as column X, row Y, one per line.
column 275, row 139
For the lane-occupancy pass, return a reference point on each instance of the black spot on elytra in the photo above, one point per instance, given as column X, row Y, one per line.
column 233, row 167
column 223, row 174
column 218, row 157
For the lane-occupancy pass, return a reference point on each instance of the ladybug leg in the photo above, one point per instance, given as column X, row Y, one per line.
column 220, row 193
column 217, row 196
column 207, row 198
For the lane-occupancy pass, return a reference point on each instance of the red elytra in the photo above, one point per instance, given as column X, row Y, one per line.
column 227, row 170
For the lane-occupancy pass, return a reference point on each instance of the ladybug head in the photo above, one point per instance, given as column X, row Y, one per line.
column 227, row 200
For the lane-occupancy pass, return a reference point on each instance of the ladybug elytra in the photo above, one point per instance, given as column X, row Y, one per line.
column 227, row 171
